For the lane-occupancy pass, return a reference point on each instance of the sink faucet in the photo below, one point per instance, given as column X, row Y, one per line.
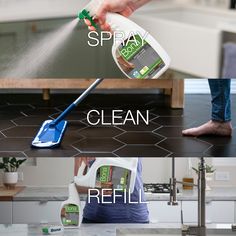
column 200, row 229
column 233, row 4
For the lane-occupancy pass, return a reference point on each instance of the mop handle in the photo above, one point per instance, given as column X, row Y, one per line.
column 77, row 101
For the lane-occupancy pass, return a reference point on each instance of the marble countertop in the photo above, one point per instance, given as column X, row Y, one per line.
column 113, row 230
column 61, row 194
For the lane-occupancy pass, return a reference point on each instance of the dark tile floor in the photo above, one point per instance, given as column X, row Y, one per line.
column 22, row 115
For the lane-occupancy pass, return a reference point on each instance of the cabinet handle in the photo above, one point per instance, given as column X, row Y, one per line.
column 43, row 202
column 34, row 28
column 208, row 202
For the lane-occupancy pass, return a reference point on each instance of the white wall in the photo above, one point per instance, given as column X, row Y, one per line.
column 220, row 3
column 48, row 172
column 200, row 86
column 59, row 171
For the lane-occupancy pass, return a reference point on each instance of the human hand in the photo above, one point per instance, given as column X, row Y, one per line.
column 78, row 162
column 123, row 7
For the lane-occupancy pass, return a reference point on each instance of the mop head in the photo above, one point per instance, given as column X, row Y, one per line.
column 49, row 135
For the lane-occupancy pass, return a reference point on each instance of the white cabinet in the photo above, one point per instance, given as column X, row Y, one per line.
column 160, row 212
column 190, row 212
column 216, row 212
column 221, row 212
column 34, row 212
column 5, row 212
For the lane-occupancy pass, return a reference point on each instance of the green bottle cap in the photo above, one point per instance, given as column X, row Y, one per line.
column 45, row 230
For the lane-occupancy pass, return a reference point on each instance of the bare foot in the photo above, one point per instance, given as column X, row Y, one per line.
column 210, row 128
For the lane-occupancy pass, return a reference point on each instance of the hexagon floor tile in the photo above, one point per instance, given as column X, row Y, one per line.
column 1, row 136
column 10, row 115
column 12, row 154
column 103, row 131
column 184, row 145
column 30, row 120
column 5, row 124
column 20, row 121
column 105, row 145
column 21, row 131
column 140, row 138
column 141, row 127
column 142, row 151
column 169, row 131
column 173, row 121
column 222, row 151
column 15, row 144
column 67, row 151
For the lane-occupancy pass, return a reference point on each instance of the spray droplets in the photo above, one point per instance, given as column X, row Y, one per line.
column 37, row 57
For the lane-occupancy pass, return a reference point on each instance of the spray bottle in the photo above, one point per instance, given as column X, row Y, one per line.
column 136, row 53
column 70, row 211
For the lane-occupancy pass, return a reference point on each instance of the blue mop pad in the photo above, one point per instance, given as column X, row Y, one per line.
column 49, row 135
column 51, row 131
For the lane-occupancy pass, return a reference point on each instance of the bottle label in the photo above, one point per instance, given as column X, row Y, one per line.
column 138, row 59
column 114, row 177
column 70, row 215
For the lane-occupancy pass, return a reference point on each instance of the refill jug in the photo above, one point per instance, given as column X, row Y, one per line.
column 120, row 173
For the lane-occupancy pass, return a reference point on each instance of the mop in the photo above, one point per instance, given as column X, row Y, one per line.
column 52, row 131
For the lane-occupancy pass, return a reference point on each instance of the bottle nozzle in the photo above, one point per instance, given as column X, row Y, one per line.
column 84, row 14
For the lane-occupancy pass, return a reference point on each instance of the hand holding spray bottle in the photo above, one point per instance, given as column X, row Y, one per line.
column 136, row 52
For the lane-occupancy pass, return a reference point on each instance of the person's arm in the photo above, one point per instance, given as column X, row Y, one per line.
column 77, row 163
column 123, row 7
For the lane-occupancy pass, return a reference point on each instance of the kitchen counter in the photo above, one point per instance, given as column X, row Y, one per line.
column 60, row 194
column 8, row 194
column 112, row 230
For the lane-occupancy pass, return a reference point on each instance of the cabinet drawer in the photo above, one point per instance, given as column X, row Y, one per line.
column 159, row 211
column 216, row 211
column 36, row 212
column 5, row 212
column 221, row 211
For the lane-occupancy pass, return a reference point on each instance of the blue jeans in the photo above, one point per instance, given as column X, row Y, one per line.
column 221, row 101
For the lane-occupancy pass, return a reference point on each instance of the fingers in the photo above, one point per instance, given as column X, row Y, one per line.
column 89, row 160
column 105, row 27
column 89, row 24
column 127, row 12
column 102, row 11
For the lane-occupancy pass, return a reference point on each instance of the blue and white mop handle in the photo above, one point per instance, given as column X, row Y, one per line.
column 76, row 102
